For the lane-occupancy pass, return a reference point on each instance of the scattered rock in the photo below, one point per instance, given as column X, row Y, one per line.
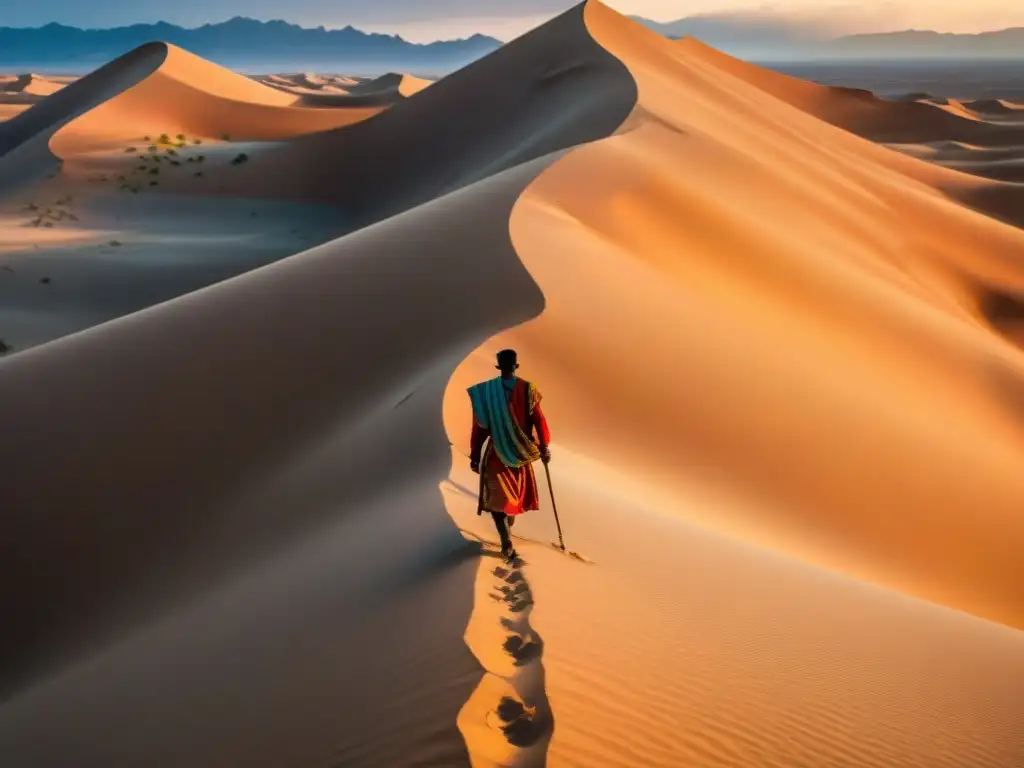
column 114, row 243
column 242, row 158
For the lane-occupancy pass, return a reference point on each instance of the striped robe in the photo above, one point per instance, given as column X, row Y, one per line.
column 509, row 489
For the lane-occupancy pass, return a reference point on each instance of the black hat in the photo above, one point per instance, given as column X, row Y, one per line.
column 507, row 360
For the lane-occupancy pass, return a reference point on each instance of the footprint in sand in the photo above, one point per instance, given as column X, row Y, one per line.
column 521, row 726
column 526, row 718
column 523, row 649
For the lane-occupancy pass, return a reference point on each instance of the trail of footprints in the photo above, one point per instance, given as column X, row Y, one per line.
column 526, row 720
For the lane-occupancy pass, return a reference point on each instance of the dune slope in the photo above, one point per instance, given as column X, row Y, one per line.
column 244, row 468
column 837, row 287
column 546, row 91
column 787, row 422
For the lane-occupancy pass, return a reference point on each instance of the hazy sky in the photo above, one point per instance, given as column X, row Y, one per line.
column 431, row 19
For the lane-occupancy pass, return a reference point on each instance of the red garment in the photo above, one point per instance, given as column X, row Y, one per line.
column 512, row 490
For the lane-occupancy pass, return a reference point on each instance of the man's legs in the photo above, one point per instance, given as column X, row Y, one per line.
column 501, row 523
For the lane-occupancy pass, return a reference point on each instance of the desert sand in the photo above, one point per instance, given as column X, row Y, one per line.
column 314, row 90
column 777, row 327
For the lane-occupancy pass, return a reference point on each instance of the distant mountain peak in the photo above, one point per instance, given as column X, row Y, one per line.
column 775, row 36
column 241, row 42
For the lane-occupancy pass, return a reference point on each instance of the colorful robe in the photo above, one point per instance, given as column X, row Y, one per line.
column 508, row 412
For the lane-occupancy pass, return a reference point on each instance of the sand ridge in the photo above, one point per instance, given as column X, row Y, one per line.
column 800, row 493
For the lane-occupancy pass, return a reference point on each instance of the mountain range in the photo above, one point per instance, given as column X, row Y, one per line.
column 250, row 45
column 766, row 38
column 240, row 43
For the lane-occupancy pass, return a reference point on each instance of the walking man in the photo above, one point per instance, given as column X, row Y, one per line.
column 507, row 410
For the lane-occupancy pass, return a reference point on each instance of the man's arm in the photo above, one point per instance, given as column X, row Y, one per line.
column 539, row 423
column 476, row 445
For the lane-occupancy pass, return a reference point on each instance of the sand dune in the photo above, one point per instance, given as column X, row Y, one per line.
column 26, row 89
column 784, row 374
column 996, row 106
column 554, row 94
column 334, row 91
column 68, row 164
column 856, row 110
column 160, row 88
column 190, row 95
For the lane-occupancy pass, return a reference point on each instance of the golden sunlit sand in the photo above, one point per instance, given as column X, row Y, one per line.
column 777, row 327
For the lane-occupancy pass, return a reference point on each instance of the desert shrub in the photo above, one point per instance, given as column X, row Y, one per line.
column 226, row 136
column 114, row 243
column 175, row 162
column 164, row 139
column 200, row 158
column 154, row 171
column 130, row 151
column 198, row 174
column 171, row 153
column 153, row 148
column 197, row 142
column 5, row 347
column 242, row 158
column 180, row 137
column 153, row 183
column 44, row 280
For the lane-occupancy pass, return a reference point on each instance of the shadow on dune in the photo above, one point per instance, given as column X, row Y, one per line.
column 1001, row 201
column 547, row 90
column 529, row 722
column 225, row 509
column 203, row 440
